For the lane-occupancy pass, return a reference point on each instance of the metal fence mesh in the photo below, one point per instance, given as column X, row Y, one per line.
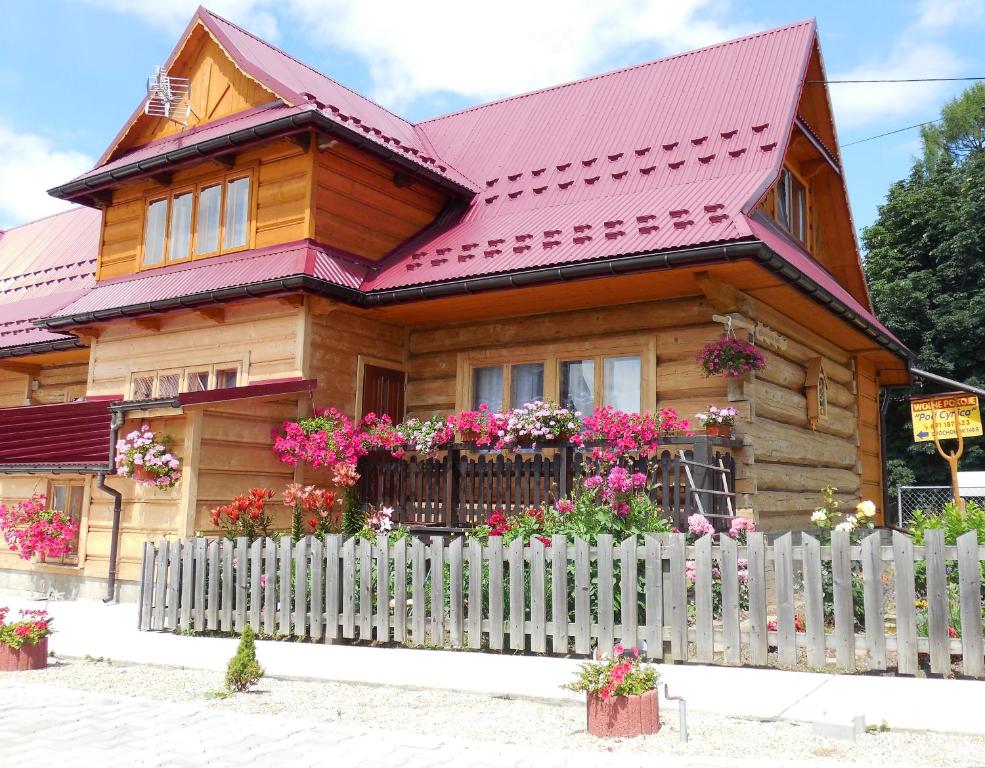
column 928, row 498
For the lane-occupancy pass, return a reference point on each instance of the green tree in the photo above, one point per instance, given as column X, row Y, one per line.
column 925, row 262
column 244, row 670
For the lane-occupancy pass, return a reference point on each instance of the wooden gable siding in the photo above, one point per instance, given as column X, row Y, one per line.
column 359, row 207
column 15, row 388
column 218, row 89
column 262, row 334
column 279, row 203
column 55, row 383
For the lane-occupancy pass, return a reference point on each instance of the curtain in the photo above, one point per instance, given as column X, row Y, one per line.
column 157, row 220
column 578, row 385
column 179, row 242
column 621, row 383
column 487, row 387
column 207, row 228
column 526, row 384
column 237, row 213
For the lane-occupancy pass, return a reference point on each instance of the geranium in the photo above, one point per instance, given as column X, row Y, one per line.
column 616, row 675
column 620, row 433
column 327, row 439
column 245, row 516
column 426, row 436
column 30, row 528
column 699, row 525
column 379, row 433
column 477, row 425
column 147, row 458
column 33, row 625
column 535, row 422
column 730, row 357
column 716, row 415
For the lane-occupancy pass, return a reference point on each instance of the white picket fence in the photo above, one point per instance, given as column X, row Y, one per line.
column 571, row 597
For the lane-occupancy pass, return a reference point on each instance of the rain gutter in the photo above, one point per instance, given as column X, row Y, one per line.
column 42, row 347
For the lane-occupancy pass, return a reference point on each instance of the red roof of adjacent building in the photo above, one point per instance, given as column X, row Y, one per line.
column 63, row 434
column 45, row 265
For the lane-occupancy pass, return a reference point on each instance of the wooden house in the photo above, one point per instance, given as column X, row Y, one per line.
column 295, row 244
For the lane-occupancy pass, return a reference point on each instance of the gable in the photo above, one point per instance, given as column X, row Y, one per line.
column 219, row 88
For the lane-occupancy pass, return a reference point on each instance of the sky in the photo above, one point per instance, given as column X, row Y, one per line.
column 72, row 71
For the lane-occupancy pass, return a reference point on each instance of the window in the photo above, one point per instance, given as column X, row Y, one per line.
column 621, row 382
column 213, row 218
column 526, row 383
column 163, row 384
column 167, row 384
column 197, row 381
column 487, row 387
column 578, row 385
column 791, row 205
column 66, row 497
column 225, row 378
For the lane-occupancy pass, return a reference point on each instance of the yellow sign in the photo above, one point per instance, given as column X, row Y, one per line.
column 939, row 412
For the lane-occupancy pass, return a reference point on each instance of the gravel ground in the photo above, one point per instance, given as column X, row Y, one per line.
column 503, row 720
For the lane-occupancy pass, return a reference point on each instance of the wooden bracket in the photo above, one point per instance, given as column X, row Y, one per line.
column 303, row 140
column 148, row 323
column 164, row 178
column 737, row 321
column 87, row 332
column 101, row 199
column 294, row 300
column 215, row 314
column 326, row 141
column 227, row 161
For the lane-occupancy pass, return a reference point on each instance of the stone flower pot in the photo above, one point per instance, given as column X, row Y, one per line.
column 624, row 716
column 25, row 657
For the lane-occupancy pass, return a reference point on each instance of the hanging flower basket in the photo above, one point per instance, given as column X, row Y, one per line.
column 730, row 357
column 147, row 459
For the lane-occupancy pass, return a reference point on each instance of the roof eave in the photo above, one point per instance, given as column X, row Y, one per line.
column 58, row 345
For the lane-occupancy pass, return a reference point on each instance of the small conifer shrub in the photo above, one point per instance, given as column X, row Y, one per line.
column 244, row 670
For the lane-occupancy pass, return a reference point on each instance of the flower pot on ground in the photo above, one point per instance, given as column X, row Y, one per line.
column 623, row 716
column 621, row 696
column 24, row 643
column 24, row 658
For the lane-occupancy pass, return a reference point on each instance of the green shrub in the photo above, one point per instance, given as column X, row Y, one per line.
column 244, row 670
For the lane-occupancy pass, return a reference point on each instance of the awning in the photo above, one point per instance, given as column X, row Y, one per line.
column 68, row 437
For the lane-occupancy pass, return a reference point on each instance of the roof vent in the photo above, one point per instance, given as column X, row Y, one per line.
column 642, row 151
column 737, row 152
column 760, row 128
column 672, row 145
column 613, row 158
column 729, row 134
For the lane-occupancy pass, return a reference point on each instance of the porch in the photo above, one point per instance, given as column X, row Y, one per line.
column 461, row 487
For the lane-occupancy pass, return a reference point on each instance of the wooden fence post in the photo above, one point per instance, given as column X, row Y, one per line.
column 786, row 618
column 875, row 613
column 970, row 593
column 906, row 616
column 814, row 602
column 937, row 599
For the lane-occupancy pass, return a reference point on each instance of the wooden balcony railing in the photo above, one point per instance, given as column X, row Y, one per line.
column 461, row 487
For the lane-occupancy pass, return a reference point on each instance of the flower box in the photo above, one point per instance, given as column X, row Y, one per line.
column 468, row 436
column 623, row 716
column 26, row 657
column 718, row 430
column 144, row 476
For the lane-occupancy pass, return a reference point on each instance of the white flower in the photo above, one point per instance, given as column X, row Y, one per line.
column 866, row 508
column 819, row 516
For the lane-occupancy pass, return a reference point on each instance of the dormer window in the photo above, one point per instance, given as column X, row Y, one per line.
column 791, row 205
column 210, row 218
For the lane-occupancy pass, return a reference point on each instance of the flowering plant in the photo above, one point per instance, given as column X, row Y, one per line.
column 620, row 432
column 616, row 675
column 379, row 433
column 534, row 421
column 320, row 503
column 245, row 516
column 730, row 356
column 716, row 415
column 327, row 439
column 426, row 436
column 479, row 422
column 29, row 630
column 147, row 458
column 30, row 529
column 697, row 526
column 379, row 520
column 829, row 516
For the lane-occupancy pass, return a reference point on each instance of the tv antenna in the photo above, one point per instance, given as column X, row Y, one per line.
column 168, row 97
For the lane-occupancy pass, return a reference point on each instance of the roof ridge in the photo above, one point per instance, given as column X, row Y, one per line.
column 630, row 68
column 298, row 61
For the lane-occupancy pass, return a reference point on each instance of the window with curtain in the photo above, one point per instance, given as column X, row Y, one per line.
column 180, row 228
column 621, row 382
column 487, row 387
column 791, row 205
column 578, row 385
column 207, row 229
column 155, row 231
column 526, row 383
column 237, row 216
column 67, row 497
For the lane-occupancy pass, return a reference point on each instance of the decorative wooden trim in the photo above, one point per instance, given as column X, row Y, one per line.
column 816, row 388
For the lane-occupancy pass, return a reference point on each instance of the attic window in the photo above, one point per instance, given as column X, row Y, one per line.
column 791, row 205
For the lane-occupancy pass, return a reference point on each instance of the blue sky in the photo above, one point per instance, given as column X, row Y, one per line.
column 71, row 71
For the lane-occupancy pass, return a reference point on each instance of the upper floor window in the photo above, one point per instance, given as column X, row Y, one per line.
column 791, row 205
column 210, row 218
column 147, row 385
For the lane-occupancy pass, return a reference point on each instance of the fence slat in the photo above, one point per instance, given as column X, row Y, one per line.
column 317, row 607
column 653, row 573
column 241, row 565
column 212, row 611
column 174, row 583
column 256, row 595
column 517, row 609
column 783, row 570
column 538, row 598
column 728, row 565
column 937, row 598
column 227, row 593
column 705, row 644
column 437, row 590
column 349, row 589
column 906, row 614
column 418, row 606
column 147, row 587
column 583, row 617
column 400, row 591
column 841, row 577
column 456, row 594
column 475, row 593
column 604, row 587
column 758, row 640
column 301, row 587
column 365, row 590
column 269, row 586
column 675, row 591
column 559, row 594
column 187, row 585
column 284, row 583
column 382, row 588
column 161, row 584
column 333, row 586
column 970, row 594
column 875, row 611
column 814, row 603
column 495, row 549
column 629, row 590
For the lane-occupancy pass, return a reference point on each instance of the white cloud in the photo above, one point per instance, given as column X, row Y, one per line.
column 940, row 14
column 255, row 15
column 30, row 165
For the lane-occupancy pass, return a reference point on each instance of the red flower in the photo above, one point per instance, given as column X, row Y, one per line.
column 952, row 632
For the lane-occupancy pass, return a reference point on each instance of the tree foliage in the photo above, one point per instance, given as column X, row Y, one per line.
column 925, row 263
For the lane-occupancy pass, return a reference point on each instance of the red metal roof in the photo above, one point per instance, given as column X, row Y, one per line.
column 45, row 265
column 69, row 433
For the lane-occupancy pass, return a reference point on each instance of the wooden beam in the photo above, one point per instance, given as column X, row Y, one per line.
column 101, row 199
column 326, row 141
column 25, row 368
column 303, row 140
column 164, row 178
column 215, row 314
column 227, row 161
column 148, row 323
column 87, row 332
column 723, row 296
column 822, row 150
column 294, row 300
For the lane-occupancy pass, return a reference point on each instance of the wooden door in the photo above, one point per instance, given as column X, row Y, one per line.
column 383, row 392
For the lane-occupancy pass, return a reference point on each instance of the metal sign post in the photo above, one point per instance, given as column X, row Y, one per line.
column 947, row 417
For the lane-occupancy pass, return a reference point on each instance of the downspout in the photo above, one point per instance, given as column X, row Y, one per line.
column 114, row 543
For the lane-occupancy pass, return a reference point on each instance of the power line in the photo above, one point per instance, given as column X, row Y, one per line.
column 890, row 133
column 901, row 80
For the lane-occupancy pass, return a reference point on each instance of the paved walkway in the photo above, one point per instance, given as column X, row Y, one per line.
column 948, row 706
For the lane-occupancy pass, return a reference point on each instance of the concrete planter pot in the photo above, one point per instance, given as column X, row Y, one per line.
column 24, row 658
column 623, row 716
column 718, row 430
